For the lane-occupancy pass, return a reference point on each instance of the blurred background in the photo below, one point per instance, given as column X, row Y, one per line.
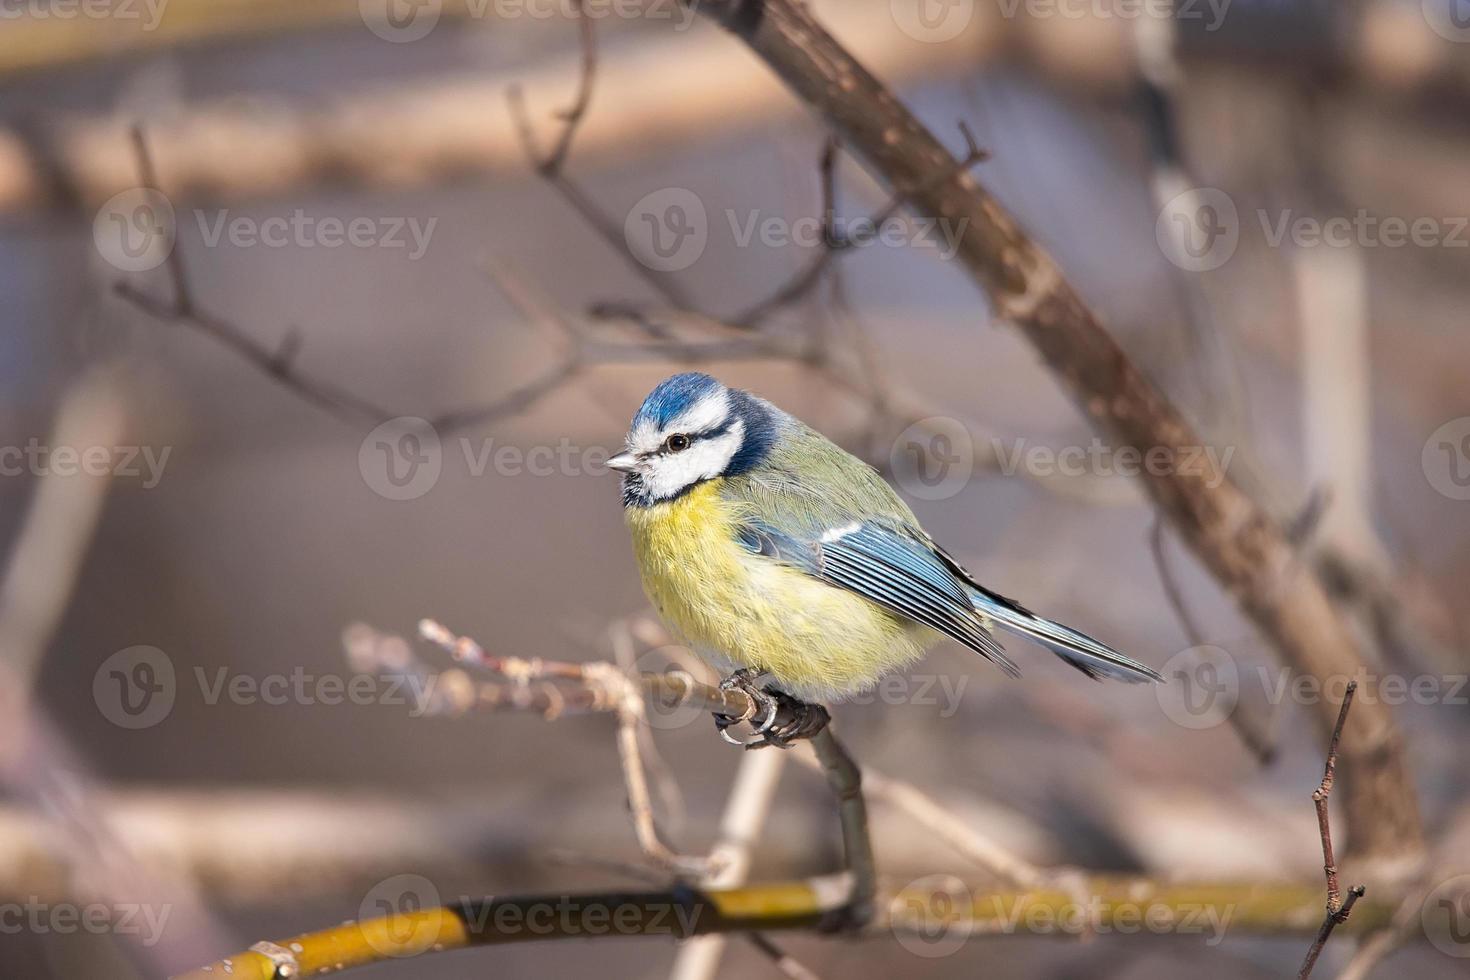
column 1265, row 201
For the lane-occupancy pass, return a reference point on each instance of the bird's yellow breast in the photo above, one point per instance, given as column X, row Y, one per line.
column 739, row 609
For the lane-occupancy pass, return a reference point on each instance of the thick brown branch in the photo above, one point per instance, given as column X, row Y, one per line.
column 1242, row 545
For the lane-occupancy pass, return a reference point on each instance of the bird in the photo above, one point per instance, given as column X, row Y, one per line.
column 793, row 567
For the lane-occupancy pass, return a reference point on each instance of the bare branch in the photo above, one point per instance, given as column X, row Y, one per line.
column 1239, row 541
column 1338, row 909
column 834, row 244
column 1258, row 739
column 552, row 167
column 811, row 905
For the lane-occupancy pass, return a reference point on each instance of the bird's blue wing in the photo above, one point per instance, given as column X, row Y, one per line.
column 889, row 567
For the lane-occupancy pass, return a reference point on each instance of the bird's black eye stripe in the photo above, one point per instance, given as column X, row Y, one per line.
column 680, row 441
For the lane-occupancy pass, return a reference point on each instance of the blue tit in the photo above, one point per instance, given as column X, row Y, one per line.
column 769, row 550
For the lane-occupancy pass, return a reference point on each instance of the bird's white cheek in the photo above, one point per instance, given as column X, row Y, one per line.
column 705, row 460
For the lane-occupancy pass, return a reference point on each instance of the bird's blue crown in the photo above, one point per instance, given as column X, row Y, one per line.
column 673, row 396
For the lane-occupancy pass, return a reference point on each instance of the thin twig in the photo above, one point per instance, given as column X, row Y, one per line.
column 1338, row 909
column 747, row 807
column 552, row 166
column 629, row 713
column 553, row 687
column 572, row 115
column 279, row 363
column 1330, row 922
column 148, row 177
column 1258, row 739
column 965, row 839
column 845, row 780
column 835, row 245
column 780, row 959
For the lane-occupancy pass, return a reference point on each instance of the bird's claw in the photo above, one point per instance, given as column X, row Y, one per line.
column 805, row 720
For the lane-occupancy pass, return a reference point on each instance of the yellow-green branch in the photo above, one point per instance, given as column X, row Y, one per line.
column 941, row 909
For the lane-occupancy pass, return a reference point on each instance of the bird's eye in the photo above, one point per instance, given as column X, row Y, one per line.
column 677, row 443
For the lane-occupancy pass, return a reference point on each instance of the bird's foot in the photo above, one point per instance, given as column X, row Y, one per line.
column 777, row 719
column 762, row 716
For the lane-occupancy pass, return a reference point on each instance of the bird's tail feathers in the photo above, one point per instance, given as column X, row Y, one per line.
column 1078, row 649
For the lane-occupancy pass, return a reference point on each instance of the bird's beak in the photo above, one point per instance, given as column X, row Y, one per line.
column 625, row 462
